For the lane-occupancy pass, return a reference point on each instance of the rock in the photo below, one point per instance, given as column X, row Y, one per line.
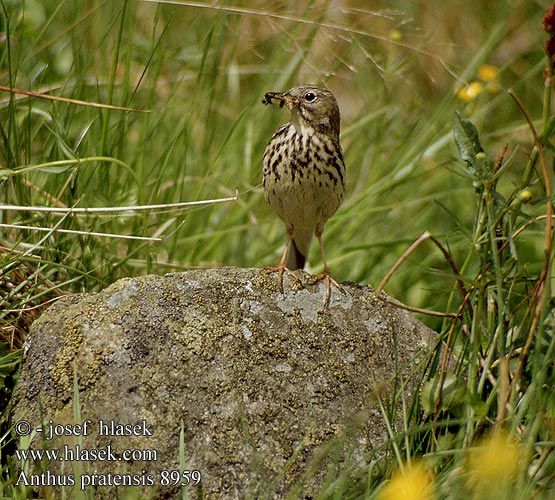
column 268, row 394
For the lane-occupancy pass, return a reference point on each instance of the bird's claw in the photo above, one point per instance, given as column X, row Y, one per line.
column 282, row 268
column 329, row 281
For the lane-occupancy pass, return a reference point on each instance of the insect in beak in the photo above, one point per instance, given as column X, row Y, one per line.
column 280, row 97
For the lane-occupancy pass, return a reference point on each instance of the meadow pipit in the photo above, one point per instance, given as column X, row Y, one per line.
column 304, row 173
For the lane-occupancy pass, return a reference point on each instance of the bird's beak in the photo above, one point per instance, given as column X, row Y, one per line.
column 281, row 97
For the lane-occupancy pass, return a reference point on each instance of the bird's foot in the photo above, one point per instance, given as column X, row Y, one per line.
column 329, row 281
column 281, row 269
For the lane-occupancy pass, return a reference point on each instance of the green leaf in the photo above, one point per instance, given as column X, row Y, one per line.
column 453, row 393
column 470, row 150
column 6, row 172
column 466, row 139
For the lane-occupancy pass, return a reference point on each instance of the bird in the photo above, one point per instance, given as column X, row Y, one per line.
column 304, row 174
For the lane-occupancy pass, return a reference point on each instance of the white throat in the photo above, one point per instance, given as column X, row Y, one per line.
column 300, row 124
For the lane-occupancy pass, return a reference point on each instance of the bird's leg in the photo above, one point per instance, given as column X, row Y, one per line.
column 282, row 267
column 326, row 274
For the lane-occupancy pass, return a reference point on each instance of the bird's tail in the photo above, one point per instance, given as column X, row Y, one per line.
column 298, row 249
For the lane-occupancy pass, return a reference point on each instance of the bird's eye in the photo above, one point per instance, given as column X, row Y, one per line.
column 310, row 96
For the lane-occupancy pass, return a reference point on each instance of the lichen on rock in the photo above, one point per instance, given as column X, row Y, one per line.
column 271, row 391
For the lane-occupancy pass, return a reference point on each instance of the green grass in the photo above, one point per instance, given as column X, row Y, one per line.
column 198, row 76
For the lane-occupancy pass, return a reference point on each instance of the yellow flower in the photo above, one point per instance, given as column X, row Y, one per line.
column 470, row 91
column 412, row 483
column 525, row 195
column 395, row 35
column 488, row 72
column 493, row 462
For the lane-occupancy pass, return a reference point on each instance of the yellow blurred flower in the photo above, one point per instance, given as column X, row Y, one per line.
column 488, row 72
column 470, row 91
column 395, row 35
column 493, row 462
column 525, row 195
column 412, row 483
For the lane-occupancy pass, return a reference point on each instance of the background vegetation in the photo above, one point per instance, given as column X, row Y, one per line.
column 195, row 74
